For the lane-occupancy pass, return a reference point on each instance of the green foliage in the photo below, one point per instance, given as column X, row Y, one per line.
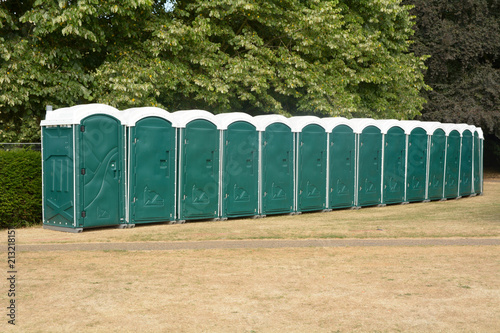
column 21, row 188
column 463, row 39
column 332, row 57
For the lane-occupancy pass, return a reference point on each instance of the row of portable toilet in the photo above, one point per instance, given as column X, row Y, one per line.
column 104, row 167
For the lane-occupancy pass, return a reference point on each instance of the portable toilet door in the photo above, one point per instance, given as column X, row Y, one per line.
column 198, row 170
column 452, row 162
column 369, row 162
column 477, row 162
column 311, row 158
column 83, row 162
column 276, row 167
column 59, row 171
column 416, row 167
column 466, row 163
column 239, row 165
column 152, row 165
column 394, row 163
column 436, row 164
column 341, row 162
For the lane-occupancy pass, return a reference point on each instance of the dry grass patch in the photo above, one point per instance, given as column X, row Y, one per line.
column 468, row 217
column 452, row 289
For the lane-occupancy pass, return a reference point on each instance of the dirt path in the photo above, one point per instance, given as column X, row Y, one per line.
column 245, row 244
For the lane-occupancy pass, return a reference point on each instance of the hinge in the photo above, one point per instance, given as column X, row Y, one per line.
column 82, row 128
column 82, row 171
column 83, row 214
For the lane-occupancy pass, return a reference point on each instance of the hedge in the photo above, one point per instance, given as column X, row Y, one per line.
column 20, row 188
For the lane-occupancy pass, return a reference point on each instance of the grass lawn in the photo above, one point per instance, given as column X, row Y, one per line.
column 354, row 289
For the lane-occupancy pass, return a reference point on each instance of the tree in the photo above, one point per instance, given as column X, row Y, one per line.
column 49, row 51
column 333, row 58
column 337, row 58
column 463, row 39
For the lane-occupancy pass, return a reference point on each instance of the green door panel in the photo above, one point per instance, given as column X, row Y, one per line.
column 436, row 165
column 417, row 164
column 277, row 165
column 466, row 164
column 342, row 162
column 58, row 176
column 312, row 168
column 369, row 177
column 200, row 171
column 153, row 171
column 101, row 160
column 477, row 159
column 394, row 165
column 452, row 160
column 240, row 170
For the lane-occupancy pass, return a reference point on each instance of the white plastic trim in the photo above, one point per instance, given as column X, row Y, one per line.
column 225, row 119
column 133, row 115
column 359, row 124
column 182, row 118
column 331, row 122
column 263, row 121
column 74, row 115
column 298, row 123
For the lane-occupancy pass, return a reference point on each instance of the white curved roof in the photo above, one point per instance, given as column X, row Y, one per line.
column 133, row 115
column 329, row 123
column 479, row 131
column 225, row 119
column 359, row 124
column 182, row 118
column 261, row 122
column 432, row 126
column 299, row 122
column 73, row 115
column 464, row 127
column 449, row 127
column 386, row 124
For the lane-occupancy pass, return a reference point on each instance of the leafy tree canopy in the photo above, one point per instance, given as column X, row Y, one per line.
column 330, row 58
column 463, row 39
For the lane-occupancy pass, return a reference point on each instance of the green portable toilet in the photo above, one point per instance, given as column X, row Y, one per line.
column 369, row 162
column 151, row 165
column 239, row 165
column 393, row 161
column 437, row 153
column 83, row 154
column 198, row 165
column 451, row 174
column 478, row 161
column 416, row 164
column 311, row 158
column 466, row 146
column 341, row 163
column 276, row 165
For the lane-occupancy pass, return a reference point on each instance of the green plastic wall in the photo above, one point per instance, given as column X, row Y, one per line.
column 277, row 169
column 58, row 176
column 101, row 158
column 369, row 173
column 416, row 168
column 199, row 172
column 466, row 164
column 152, row 170
column 436, row 165
column 477, row 164
column 342, row 167
column 311, row 168
column 452, row 165
column 394, row 165
column 240, row 170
